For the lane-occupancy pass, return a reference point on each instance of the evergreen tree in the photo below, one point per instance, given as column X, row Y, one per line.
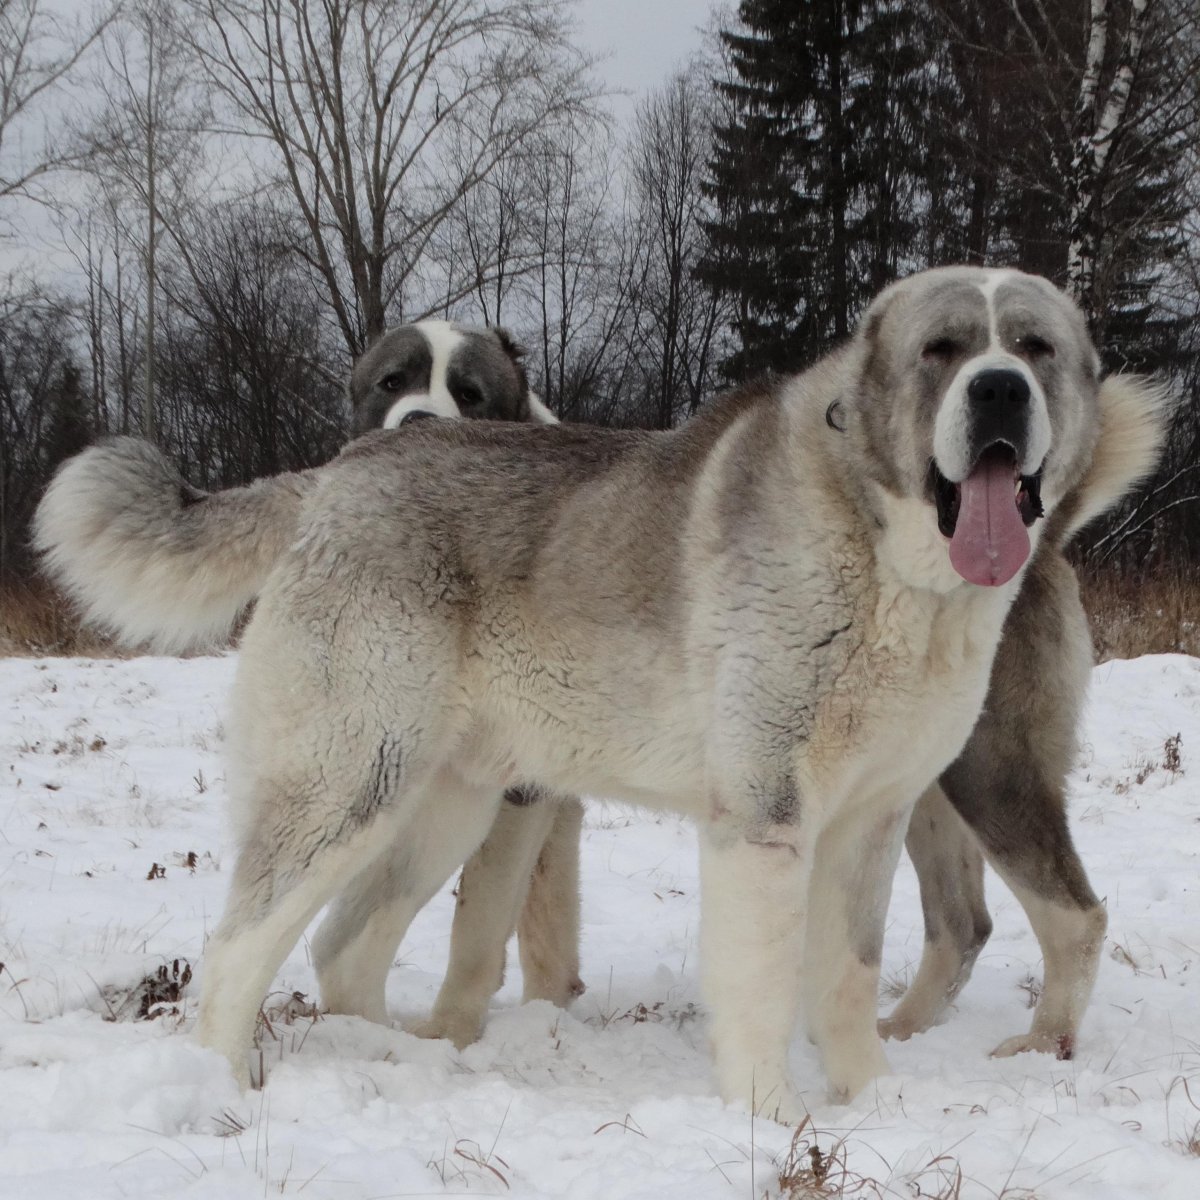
column 69, row 429
column 816, row 170
column 760, row 250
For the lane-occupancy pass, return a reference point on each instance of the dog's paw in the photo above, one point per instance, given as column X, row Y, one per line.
column 784, row 1105
column 789, row 1109
column 850, row 1066
column 897, row 1029
column 560, row 991
column 1061, row 1045
column 460, row 1028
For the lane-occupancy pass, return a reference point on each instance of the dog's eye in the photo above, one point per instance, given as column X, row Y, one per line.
column 468, row 395
column 1035, row 347
column 940, row 348
column 394, row 382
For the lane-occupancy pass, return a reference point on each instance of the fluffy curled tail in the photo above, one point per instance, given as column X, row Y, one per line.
column 1135, row 413
column 153, row 560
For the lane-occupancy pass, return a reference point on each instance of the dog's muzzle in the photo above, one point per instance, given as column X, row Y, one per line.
column 999, row 403
column 986, row 515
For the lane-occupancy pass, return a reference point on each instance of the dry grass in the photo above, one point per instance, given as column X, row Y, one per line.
column 808, row 1171
column 1151, row 614
column 35, row 621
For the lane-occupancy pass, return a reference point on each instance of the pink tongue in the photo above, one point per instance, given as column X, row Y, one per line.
column 990, row 542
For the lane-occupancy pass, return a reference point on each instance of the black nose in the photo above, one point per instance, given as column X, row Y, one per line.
column 999, row 386
column 417, row 414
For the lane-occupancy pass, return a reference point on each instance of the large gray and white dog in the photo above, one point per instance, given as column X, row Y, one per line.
column 779, row 619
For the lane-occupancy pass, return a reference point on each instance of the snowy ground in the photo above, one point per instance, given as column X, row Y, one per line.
column 113, row 860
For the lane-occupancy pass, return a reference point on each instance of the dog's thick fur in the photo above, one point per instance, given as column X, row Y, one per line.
column 752, row 620
column 1005, row 793
column 159, row 563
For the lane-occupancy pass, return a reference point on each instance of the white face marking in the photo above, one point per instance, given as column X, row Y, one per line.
column 442, row 339
column 951, row 431
column 988, row 287
column 439, row 406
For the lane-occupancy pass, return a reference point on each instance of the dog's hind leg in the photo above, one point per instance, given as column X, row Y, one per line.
column 1009, row 785
column 853, row 866
column 1070, row 930
column 949, row 869
column 278, row 885
column 548, row 932
column 356, row 942
column 494, row 885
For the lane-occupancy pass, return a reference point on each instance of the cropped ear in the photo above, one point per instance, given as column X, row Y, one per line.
column 509, row 344
column 871, row 321
column 534, row 409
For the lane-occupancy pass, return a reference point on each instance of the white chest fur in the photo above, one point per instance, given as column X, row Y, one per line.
column 909, row 698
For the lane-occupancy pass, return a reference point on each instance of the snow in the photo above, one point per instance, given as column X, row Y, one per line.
column 113, row 864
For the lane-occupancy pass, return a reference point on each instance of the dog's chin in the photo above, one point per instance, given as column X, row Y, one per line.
column 985, row 516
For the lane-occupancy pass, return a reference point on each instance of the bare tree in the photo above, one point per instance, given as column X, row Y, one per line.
column 355, row 101
column 486, row 245
column 145, row 146
column 582, row 292
column 34, row 362
column 248, row 388
column 39, row 51
column 681, row 315
column 1099, row 117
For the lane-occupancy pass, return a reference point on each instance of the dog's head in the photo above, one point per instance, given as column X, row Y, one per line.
column 978, row 395
column 436, row 369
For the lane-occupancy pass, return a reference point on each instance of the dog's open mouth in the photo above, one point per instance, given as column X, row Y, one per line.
column 986, row 516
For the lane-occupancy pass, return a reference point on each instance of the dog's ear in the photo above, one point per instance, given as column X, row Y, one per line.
column 509, row 344
column 531, row 408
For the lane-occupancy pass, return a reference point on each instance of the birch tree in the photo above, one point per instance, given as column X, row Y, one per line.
column 1100, row 115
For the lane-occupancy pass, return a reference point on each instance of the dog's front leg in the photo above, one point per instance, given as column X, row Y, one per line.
column 752, row 939
column 854, row 862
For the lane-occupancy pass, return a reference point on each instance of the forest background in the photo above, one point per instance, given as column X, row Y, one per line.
column 231, row 198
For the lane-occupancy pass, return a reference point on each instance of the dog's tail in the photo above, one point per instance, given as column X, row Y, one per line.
column 1135, row 413
column 153, row 560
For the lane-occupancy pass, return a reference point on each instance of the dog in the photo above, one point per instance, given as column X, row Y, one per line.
column 220, row 549
column 440, row 369
column 436, row 369
column 1004, row 794
column 779, row 619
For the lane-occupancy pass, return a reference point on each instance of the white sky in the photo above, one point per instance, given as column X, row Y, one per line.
column 647, row 40
column 638, row 43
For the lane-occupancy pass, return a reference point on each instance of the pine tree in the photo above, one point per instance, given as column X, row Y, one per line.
column 759, row 250
column 816, row 166
column 69, row 429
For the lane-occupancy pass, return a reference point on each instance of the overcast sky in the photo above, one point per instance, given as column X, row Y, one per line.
column 638, row 42
column 647, row 40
